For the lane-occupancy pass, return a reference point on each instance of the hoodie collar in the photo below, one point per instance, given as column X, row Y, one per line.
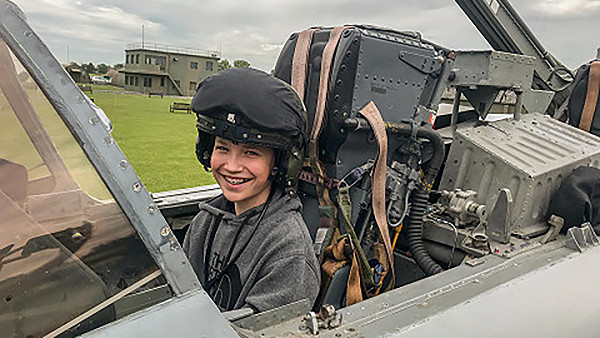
column 281, row 202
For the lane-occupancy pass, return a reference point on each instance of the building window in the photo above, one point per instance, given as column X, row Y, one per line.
column 137, row 59
column 193, row 65
column 162, row 81
column 126, row 61
column 147, row 82
column 137, row 81
column 126, row 79
column 192, row 86
column 209, row 65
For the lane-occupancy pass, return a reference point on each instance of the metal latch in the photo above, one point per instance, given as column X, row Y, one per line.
column 327, row 318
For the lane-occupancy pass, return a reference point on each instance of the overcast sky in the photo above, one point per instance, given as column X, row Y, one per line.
column 255, row 30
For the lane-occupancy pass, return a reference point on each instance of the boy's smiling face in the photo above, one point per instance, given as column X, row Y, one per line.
column 242, row 171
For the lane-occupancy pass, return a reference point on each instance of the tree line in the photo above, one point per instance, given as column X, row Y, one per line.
column 103, row 68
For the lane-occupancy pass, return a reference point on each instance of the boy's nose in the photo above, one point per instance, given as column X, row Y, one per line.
column 234, row 163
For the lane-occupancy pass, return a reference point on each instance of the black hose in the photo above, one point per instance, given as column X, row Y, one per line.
column 419, row 198
column 414, row 230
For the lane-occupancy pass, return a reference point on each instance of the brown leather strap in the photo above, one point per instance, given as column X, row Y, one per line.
column 591, row 98
column 373, row 116
column 326, row 62
column 353, row 289
column 300, row 61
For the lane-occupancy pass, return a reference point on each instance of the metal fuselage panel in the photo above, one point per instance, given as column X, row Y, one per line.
column 530, row 157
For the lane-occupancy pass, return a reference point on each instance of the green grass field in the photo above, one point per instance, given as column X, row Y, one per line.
column 159, row 144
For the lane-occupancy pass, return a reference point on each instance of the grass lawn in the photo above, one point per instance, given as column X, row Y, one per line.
column 159, row 144
column 107, row 87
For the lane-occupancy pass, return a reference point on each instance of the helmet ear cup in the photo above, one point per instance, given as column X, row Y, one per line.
column 204, row 147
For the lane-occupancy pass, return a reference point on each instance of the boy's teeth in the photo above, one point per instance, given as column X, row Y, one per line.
column 235, row 180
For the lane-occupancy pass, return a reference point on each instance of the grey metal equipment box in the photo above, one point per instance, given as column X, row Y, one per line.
column 493, row 68
column 530, row 157
column 482, row 74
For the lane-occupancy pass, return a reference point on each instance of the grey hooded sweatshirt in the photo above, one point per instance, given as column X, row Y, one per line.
column 261, row 267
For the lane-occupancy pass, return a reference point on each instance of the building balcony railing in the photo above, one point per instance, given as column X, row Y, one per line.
column 172, row 49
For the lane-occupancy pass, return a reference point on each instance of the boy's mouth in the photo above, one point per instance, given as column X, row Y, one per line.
column 236, row 181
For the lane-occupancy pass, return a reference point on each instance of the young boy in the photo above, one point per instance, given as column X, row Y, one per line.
column 250, row 247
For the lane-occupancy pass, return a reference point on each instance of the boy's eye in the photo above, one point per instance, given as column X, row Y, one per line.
column 252, row 153
column 220, row 148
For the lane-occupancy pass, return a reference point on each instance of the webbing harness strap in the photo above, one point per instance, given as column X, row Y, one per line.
column 591, row 98
column 313, row 145
column 373, row 116
column 300, row 61
column 346, row 209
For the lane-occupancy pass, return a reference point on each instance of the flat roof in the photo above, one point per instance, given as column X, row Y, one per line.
column 155, row 47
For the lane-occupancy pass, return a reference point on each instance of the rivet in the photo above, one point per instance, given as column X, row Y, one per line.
column 93, row 120
column 151, row 209
column 108, row 140
column 259, row 136
column 245, row 135
column 123, row 164
column 137, row 187
column 165, row 231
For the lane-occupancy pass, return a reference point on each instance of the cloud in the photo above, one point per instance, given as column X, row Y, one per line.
column 98, row 30
column 561, row 8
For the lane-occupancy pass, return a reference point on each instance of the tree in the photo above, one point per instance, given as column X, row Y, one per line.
column 118, row 66
column 241, row 64
column 89, row 68
column 223, row 64
column 102, row 68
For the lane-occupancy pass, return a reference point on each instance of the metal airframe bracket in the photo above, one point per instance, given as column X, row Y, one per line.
column 582, row 238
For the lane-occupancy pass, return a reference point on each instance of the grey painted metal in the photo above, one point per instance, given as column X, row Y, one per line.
column 99, row 146
column 493, row 68
column 555, row 301
column 178, row 201
column 529, row 157
column 265, row 319
column 397, row 311
column 502, row 27
column 582, row 238
column 190, row 315
column 483, row 74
